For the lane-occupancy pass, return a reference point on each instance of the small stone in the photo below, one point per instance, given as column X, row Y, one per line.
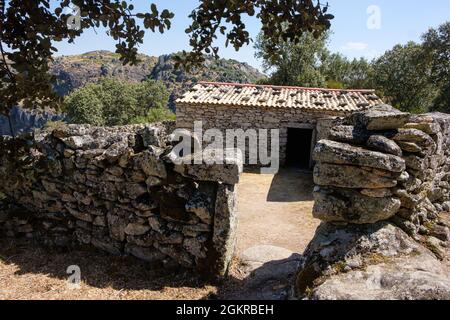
column 440, row 232
column 383, row 144
column 409, row 146
column 150, row 164
column 195, row 230
column 106, row 245
column 200, row 205
column 68, row 153
column 413, row 135
column 435, row 246
column 144, row 253
column 153, row 182
column 115, row 171
column 134, row 229
column 99, row 221
column 134, row 190
column 195, row 247
column 427, row 127
column 376, row 193
column 26, row 228
column 80, row 215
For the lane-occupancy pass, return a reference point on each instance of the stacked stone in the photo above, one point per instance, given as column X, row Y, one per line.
column 383, row 164
column 119, row 190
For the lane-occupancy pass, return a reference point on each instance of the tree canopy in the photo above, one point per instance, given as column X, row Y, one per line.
column 294, row 63
column 28, row 30
column 403, row 80
column 309, row 63
column 112, row 102
column 436, row 47
column 416, row 77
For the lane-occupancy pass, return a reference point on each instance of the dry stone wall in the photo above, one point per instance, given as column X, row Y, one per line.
column 382, row 185
column 384, row 164
column 119, row 190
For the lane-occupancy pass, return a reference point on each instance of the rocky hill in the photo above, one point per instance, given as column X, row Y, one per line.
column 75, row 71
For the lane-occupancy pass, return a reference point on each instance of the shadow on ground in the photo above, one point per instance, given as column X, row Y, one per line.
column 98, row 269
column 272, row 280
column 36, row 272
column 299, row 182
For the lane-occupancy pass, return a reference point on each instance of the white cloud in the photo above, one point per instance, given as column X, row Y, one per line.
column 355, row 46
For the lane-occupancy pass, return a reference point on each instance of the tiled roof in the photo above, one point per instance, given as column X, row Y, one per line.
column 310, row 99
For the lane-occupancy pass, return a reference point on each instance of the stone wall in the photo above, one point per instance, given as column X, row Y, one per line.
column 119, row 190
column 241, row 117
column 382, row 182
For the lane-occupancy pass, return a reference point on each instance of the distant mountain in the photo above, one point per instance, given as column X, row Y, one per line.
column 76, row 71
column 25, row 120
column 73, row 72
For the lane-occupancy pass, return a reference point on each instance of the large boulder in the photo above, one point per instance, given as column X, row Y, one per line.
column 340, row 153
column 348, row 134
column 381, row 117
column 345, row 176
column 373, row 262
column 349, row 206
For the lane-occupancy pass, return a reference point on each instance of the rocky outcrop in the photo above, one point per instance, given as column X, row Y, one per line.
column 382, row 182
column 24, row 121
column 377, row 261
column 118, row 189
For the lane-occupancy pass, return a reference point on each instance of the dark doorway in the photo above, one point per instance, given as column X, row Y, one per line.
column 298, row 153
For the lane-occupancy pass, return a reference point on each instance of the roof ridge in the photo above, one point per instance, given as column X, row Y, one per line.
column 281, row 87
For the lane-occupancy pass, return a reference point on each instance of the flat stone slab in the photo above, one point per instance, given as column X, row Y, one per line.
column 345, row 205
column 345, row 176
column 340, row 153
column 271, row 271
column 382, row 117
column 225, row 169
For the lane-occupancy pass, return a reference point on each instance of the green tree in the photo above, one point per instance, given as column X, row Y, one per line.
column 111, row 102
column 436, row 50
column 296, row 64
column 85, row 106
column 402, row 77
column 28, row 30
column 341, row 72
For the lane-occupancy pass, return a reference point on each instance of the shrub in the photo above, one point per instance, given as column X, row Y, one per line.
column 155, row 115
column 111, row 102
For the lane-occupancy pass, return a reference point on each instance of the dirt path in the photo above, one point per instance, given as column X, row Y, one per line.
column 276, row 210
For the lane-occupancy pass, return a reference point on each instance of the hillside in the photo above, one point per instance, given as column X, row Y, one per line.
column 75, row 71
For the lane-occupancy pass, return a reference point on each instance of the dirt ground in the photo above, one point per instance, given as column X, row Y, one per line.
column 274, row 210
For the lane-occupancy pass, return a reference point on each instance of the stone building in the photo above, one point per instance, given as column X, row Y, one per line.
column 303, row 115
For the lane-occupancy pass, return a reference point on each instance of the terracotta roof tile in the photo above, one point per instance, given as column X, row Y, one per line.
column 309, row 99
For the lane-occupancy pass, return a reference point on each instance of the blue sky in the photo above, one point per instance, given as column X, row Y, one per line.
column 396, row 21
